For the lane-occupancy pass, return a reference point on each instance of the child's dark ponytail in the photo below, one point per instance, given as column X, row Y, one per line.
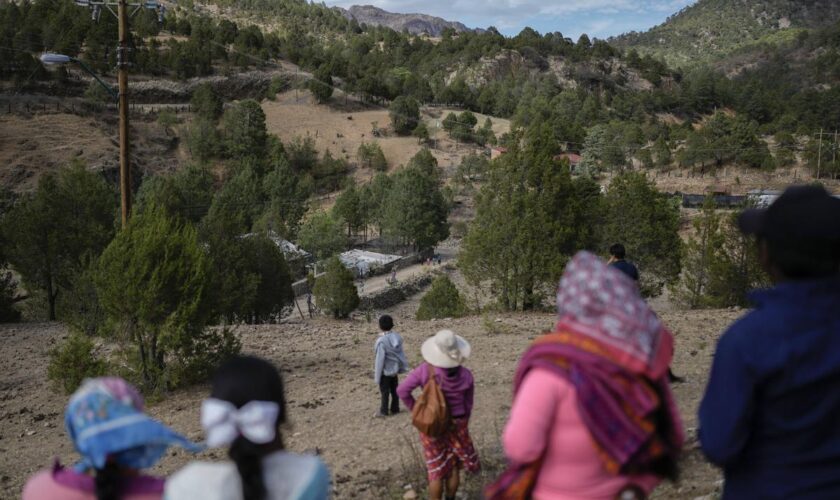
column 107, row 481
column 248, row 459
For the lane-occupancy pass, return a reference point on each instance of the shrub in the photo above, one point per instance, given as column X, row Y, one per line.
column 80, row 307
column 335, row 291
column 73, row 361
column 442, row 301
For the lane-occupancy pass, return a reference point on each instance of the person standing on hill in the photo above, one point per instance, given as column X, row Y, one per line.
column 389, row 362
column 617, row 260
column 771, row 410
column 593, row 416
column 448, row 453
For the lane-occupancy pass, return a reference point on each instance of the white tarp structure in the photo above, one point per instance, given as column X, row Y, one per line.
column 362, row 261
column 289, row 249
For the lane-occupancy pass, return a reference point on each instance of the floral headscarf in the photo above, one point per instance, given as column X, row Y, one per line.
column 603, row 304
column 105, row 420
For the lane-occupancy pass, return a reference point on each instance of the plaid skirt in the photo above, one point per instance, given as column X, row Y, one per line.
column 452, row 450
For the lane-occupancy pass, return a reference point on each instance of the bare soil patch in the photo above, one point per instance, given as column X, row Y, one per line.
column 341, row 130
column 31, row 146
column 327, row 367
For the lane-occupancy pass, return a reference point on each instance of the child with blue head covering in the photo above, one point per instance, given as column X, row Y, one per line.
column 116, row 439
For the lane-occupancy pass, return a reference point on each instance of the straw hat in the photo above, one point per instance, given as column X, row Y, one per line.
column 445, row 349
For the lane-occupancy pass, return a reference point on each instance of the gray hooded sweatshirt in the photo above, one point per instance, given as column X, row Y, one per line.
column 390, row 357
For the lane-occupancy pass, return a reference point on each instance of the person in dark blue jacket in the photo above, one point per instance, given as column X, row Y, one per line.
column 771, row 413
column 617, row 260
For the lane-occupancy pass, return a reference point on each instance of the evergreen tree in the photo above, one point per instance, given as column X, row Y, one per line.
column 647, row 223
column 522, row 262
column 405, row 114
column 371, row 156
column 322, row 235
column 52, row 233
column 243, row 129
column 287, row 197
column 335, row 291
column 321, row 84
column 349, row 208
column 206, row 104
column 701, row 251
column 153, row 282
column 414, row 211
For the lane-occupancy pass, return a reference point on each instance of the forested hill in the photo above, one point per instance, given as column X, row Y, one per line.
column 711, row 29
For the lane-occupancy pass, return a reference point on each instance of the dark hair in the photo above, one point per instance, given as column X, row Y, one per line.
column 107, row 482
column 239, row 381
column 799, row 259
column 386, row 323
column 618, row 251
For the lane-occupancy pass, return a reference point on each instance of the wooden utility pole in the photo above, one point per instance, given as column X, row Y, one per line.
column 834, row 157
column 819, row 155
column 122, row 73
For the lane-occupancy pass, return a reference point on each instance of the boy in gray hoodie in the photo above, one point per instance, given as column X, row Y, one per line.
column 389, row 362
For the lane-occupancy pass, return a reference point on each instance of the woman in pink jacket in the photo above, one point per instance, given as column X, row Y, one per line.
column 593, row 416
column 446, row 455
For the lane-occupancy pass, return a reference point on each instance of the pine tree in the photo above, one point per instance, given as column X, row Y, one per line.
column 335, row 291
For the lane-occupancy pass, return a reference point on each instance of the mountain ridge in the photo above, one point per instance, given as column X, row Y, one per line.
column 710, row 30
column 414, row 23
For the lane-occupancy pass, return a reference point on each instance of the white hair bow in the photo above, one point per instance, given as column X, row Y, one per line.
column 222, row 422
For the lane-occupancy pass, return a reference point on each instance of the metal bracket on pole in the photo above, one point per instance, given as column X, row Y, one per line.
column 96, row 6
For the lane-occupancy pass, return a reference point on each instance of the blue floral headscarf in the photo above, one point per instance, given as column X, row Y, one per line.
column 105, row 420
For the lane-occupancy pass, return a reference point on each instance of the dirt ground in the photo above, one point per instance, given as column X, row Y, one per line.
column 33, row 145
column 341, row 128
column 332, row 398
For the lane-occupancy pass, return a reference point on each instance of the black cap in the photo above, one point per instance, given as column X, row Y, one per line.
column 806, row 212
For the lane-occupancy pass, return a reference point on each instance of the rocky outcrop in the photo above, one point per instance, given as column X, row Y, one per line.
column 511, row 63
column 416, row 24
column 489, row 69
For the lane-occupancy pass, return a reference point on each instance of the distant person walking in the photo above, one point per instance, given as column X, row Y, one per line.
column 452, row 451
column 771, row 413
column 246, row 407
column 116, row 441
column 617, row 260
column 593, row 416
column 389, row 362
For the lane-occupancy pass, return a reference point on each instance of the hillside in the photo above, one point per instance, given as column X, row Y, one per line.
column 416, row 24
column 711, row 29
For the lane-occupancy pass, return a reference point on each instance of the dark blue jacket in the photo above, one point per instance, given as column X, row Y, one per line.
column 627, row 268
column 771, row 413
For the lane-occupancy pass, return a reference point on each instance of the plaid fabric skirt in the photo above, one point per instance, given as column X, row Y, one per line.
column 452, row 450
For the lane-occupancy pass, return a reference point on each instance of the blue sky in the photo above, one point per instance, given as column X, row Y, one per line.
column 599, row 18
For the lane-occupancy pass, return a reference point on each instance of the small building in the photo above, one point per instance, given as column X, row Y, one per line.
column 497, row 151
column 296, row 257
column 574, row 160
column 362, row 262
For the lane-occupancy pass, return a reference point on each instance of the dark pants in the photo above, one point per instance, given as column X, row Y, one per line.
column 388, row 387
